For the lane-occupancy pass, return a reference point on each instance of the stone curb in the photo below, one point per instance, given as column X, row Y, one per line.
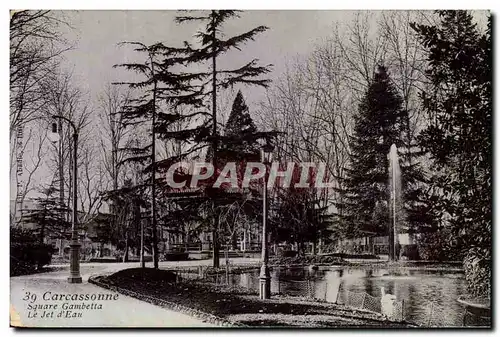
column 210, row 318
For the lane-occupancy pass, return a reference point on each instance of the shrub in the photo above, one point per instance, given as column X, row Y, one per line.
column 104, row 259
column 144, row 274
column 308, row 259
column 477, row 266
column 286, row 253
column 26, row 254
column 410, row 251
column 438, row 246
column 26, row 258
column 176, row 256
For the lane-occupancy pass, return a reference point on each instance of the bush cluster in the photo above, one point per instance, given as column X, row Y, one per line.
column 308, row 259
column 477, row 266
column 26, row 254
column 438, row 246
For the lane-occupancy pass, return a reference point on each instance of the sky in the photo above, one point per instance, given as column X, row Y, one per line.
column 95, row 35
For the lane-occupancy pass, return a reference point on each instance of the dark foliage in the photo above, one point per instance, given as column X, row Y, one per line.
column 459, row 137
column 27, row 254
column 365, row 191
column 212, row 45
column 48, row 216
column 176, row 256
column 298, row 215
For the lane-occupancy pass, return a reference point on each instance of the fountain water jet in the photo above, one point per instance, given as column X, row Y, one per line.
column 395, row 200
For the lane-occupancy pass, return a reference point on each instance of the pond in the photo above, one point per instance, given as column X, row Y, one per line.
column 430, row 296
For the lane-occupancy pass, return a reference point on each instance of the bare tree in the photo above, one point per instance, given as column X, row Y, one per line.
column 361, row 48
column 406, row 61
column 92, row 183
column 114, row 137
column 114, row 133
column 232, row 220
column 34, row 150
column 35, row 47
column 64, row 99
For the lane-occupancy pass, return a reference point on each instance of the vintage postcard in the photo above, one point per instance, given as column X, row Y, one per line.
column 260, row 168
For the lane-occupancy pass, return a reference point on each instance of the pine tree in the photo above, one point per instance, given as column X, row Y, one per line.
column 240, row 133
column 458, row 139
column 240, row 144
column 212, row 46
column 364, row 190
column 48, row 216
column 162, row 90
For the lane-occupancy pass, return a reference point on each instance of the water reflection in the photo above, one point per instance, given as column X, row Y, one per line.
column 418, row 288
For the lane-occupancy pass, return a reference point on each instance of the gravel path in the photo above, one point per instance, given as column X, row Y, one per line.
column 125, row 311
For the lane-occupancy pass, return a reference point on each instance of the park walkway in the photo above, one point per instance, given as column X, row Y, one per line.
column 122, row 312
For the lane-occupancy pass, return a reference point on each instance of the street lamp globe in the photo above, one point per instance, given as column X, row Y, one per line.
column 54, row 135
column 266, row 150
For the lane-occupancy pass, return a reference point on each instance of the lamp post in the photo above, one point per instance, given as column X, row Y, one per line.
column 264, row 277
column 74, row 276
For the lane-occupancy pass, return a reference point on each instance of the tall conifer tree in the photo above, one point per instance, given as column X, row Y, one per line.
column 212, row 45
column 240, row 132
column 161, row 90
column 365, row 189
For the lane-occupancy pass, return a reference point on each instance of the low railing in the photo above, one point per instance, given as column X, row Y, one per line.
column 435, row 316
column 365, row 301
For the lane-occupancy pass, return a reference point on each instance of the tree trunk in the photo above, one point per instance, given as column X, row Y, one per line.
column 234, row 241
column 214, row 135
column 215, row 257
column 153, row 177
column 226, row 253
column 125, row 253
column 42, row 233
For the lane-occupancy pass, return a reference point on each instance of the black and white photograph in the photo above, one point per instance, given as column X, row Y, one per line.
column 251, row 168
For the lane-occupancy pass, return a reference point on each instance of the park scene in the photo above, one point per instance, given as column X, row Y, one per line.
column 271, row 168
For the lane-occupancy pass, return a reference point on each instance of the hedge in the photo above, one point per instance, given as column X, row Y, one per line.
column 27, row 257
